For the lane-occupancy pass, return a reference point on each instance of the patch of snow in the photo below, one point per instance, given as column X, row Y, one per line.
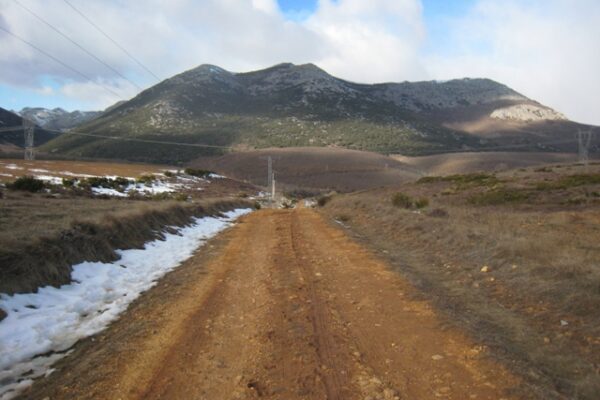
column 69, row 173
column 215, row 176
column 108, row 192
column 55, row 180
column 12, row 166
column 40, row 327
column 9, row 175
column 38, row 170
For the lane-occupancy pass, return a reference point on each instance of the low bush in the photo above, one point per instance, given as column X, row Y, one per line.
column 68, row 182
column 323, row 200
column 498, row 197
column 200, row 173
column 119, row 183
column 145, row 179
column 402, row 200
column 28, row 184
column 421, row 202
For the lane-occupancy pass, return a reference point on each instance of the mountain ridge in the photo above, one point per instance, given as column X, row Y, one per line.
column 57, row 118
column 290, row 105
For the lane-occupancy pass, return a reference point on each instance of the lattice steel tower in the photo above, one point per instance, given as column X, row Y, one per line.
column 28, row 130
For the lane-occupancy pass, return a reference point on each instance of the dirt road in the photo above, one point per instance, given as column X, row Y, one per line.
column 282, row 306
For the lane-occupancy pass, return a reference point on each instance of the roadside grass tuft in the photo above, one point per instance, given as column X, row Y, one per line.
column 402, row 200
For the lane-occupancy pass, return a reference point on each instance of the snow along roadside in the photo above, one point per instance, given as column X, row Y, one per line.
column 40, row 327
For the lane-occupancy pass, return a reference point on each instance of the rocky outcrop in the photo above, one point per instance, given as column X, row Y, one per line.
column 527, row 113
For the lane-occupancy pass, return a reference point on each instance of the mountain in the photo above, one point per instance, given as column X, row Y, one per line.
column 15, row 137
column 57, row 119
column 291, row 105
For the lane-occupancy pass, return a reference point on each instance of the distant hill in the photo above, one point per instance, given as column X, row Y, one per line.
column 301, row 105
column 15, row 137
column 57, row 118
column 312, row 168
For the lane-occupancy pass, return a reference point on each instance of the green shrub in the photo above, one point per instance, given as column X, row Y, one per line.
column 27, row 183
column 323, row 200
column 68, row 182
column 168, row 174
column 119, row 183
column 402, row 200
column 421, row 202
column 257, row 205
column 145, row 179
column 201, row 173
column 499, row 196
column 181, row 196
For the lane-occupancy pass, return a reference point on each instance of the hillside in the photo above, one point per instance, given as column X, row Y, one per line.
column 510, row 256
column 461, row 163
column 9, row 139
column 311, row 168
column 57, row 118
column 301, row 105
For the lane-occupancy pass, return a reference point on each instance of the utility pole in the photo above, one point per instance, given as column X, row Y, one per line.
column 270, row 177
column 28, row 130
column 584, row 139
column 273, row 187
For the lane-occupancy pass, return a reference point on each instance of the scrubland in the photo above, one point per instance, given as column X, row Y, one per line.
column 513, row 257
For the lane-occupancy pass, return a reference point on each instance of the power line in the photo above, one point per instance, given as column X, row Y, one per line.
column 112, row 40
column 506, row 147
column 55, row 29
column 61, row 62
column 128, row 139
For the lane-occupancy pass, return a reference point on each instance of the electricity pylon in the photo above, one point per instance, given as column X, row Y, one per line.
column 28, row 130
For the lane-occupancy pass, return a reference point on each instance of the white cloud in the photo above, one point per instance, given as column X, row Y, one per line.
column 45, row 90
column 548, row 49
column 370, row 41
column 104, row 93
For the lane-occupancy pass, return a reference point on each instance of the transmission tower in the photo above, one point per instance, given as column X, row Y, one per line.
column 28, row 130
column 584, row 138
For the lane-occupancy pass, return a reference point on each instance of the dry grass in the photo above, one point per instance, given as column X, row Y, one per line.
column 41, row 236
column 542, row 259
column 12, row 168
column 26, row 217
column 463, row 163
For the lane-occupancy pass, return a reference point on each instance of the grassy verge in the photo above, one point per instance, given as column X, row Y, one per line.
column 41, row 236
column 515, row 265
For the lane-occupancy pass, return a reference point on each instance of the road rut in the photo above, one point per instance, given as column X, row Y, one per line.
column 284, row 306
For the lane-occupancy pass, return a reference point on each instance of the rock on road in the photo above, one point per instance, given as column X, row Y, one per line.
column 283, row 305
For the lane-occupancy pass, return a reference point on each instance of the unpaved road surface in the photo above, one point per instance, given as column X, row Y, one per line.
column 284, row 305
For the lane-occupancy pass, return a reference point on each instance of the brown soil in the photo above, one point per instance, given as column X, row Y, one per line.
column 460, row 163
column 282, row 306
column 313, row 168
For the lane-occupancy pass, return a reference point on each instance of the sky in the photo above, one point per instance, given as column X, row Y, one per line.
column 548, row 50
